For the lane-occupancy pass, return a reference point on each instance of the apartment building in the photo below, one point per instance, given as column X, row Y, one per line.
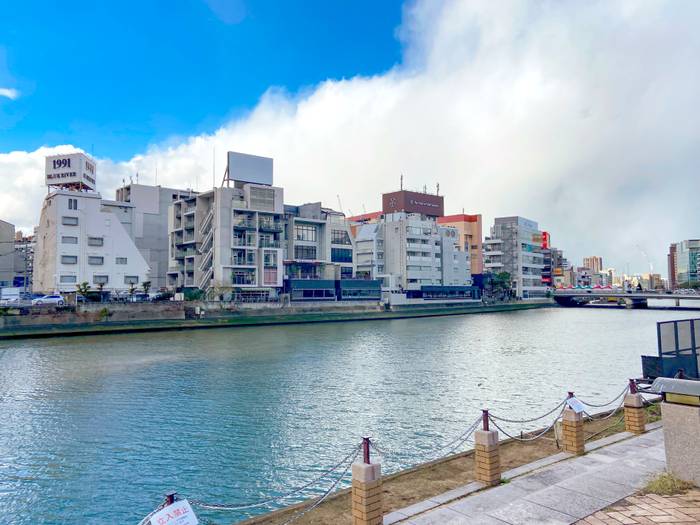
column 687, row 263
column 514, row 246
column 148, row 225
column 7, row 253
column 594, row 263
column 80, row 237
column 469, row 228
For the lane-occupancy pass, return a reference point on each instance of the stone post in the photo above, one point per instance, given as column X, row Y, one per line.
column 367, row 491
column 572, row 431
column 487, row 461
column 635, row 417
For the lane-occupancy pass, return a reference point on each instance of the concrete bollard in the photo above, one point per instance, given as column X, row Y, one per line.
column 635, row 417
column 367, row 491
column 487, row 461
column 572, row 431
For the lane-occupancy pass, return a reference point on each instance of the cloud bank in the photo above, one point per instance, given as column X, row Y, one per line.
column 580, row 115
column 10, row 93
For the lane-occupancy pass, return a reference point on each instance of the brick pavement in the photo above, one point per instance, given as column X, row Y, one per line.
column 650, row 509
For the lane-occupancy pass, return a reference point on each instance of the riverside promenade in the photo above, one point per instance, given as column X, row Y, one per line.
column 560, row 489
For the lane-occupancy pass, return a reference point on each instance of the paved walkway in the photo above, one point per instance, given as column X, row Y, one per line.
column 650, row 509
column 561, row 489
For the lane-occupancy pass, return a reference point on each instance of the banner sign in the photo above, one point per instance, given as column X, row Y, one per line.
column 179, row 513
column 72, row 170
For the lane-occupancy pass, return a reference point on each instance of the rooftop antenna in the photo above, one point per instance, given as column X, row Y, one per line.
column 401, row 186
column 137, row 177
column 340, row 204
column 425, row 188
column 438, row 189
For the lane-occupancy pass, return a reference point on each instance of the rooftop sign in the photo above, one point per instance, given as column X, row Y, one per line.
column 413, row 202
column 74, row 171
column 249, row 168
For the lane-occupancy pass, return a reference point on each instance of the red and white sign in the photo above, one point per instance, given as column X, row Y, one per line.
column 179, row 513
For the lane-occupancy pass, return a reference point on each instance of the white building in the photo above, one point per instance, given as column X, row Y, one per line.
column 514, row 246
column 410, row 251
column 80, row 237
column 148, row 226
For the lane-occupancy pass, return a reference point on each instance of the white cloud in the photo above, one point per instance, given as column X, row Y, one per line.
column 10, row 93
column 580, row 115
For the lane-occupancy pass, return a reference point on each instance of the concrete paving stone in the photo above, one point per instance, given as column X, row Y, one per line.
column 522, row 512
column 394, row 517
column 540, row 463
column 619, row 473
column 604, row 442
column 446, row 516
column 459, row 492
column 597, row 487
column 657, row 453
column 647, row 464
column 487, row 500
column 567, row 501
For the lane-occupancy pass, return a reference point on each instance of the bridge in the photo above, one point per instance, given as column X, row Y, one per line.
column 630, row 299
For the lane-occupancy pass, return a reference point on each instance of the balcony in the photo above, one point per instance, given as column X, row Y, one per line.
column 244, row 241
column 243, row 261
column 270, row 226
column 245, row 224
column 267, row 243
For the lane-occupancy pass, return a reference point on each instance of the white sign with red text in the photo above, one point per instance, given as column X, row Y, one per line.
column 179, row 513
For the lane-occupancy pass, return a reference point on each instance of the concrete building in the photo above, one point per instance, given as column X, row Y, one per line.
column 80, row 237
column 687, row 258
column 514, row 246
column 7, row 254
column 469, row 228
column 24, row 260
column 593, row 263
column 671, row 259
column 149, row 226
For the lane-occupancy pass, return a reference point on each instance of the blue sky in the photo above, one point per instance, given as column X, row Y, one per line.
column 121, row 76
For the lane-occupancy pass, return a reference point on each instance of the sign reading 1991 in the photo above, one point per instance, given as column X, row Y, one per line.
column 71, row 171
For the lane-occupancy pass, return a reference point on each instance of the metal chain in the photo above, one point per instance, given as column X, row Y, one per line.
column 531, row 438
column 606, row 428
column 276, row 499
column 611, row 414
column 529, row 420
column 325, row 494
column 608, row 403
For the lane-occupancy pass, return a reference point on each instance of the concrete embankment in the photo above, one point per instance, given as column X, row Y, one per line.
column 95, row 319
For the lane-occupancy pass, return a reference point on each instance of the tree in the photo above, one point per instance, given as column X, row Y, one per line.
column 83, row 288
column 146, row 286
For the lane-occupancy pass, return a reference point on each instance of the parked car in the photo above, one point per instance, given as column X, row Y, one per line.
column 10, row 301
column 54, row 299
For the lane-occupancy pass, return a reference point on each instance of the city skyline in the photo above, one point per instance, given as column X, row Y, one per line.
column 590, row 155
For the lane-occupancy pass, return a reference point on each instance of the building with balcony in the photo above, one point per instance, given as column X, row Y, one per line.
column 687, row 264
column 469, row 229
column 515, row 246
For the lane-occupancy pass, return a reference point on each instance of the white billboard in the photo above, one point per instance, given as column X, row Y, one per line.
column 74, row 170
column 249, row 168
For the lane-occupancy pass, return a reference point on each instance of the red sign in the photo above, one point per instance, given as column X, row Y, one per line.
column 545, row 239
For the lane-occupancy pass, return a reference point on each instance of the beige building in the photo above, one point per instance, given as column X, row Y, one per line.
column 594, row 263
column 470, row 236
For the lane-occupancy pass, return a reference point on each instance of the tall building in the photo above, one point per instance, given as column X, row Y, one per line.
column 672, row 271
column 469, row 229
column 149, row 224
column 7, row 253
column 594, row 263
column 687, row 259
column 80, row 237
column 514, row 246
column 24, row 260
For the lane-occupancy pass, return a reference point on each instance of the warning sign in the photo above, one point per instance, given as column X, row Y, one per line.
column 179, row 513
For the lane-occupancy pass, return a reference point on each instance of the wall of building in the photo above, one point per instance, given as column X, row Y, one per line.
column 7, row 253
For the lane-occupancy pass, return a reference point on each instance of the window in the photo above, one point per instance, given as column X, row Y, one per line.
column 100, row 279
column 305, row 232
column 341, row 255
column 120, row 260
column 96, row 241
column 68, row 279
column 72, row 204
column 69, row 221
column 345, row 272
column 67, row 239
column 69, row 259
column 270, row 259
column 95, row 260
column 305, row 252
column 340, row 237
column 131, row 279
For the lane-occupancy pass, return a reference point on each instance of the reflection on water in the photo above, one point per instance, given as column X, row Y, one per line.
column 239, row 414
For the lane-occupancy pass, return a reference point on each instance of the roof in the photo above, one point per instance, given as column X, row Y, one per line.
column 459, row 218
column 366, row 216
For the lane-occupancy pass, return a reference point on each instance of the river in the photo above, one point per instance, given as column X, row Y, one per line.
column 96, row 429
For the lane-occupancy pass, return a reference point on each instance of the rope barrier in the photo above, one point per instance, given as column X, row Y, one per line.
column 608, row 416
column 276, row 499
column 593, row 405
column 563, row 402
column 606, row 428
column 531, row 438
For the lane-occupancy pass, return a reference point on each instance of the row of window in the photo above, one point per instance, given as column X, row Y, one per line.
column 305, row 252
column 98, row 279
column 95, row 260
column 92, row 241
column 340, row 237
column 305, row 232
column 341, row 255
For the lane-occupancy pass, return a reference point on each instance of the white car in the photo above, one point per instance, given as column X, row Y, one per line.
column 10, row 301
column 49, row 299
